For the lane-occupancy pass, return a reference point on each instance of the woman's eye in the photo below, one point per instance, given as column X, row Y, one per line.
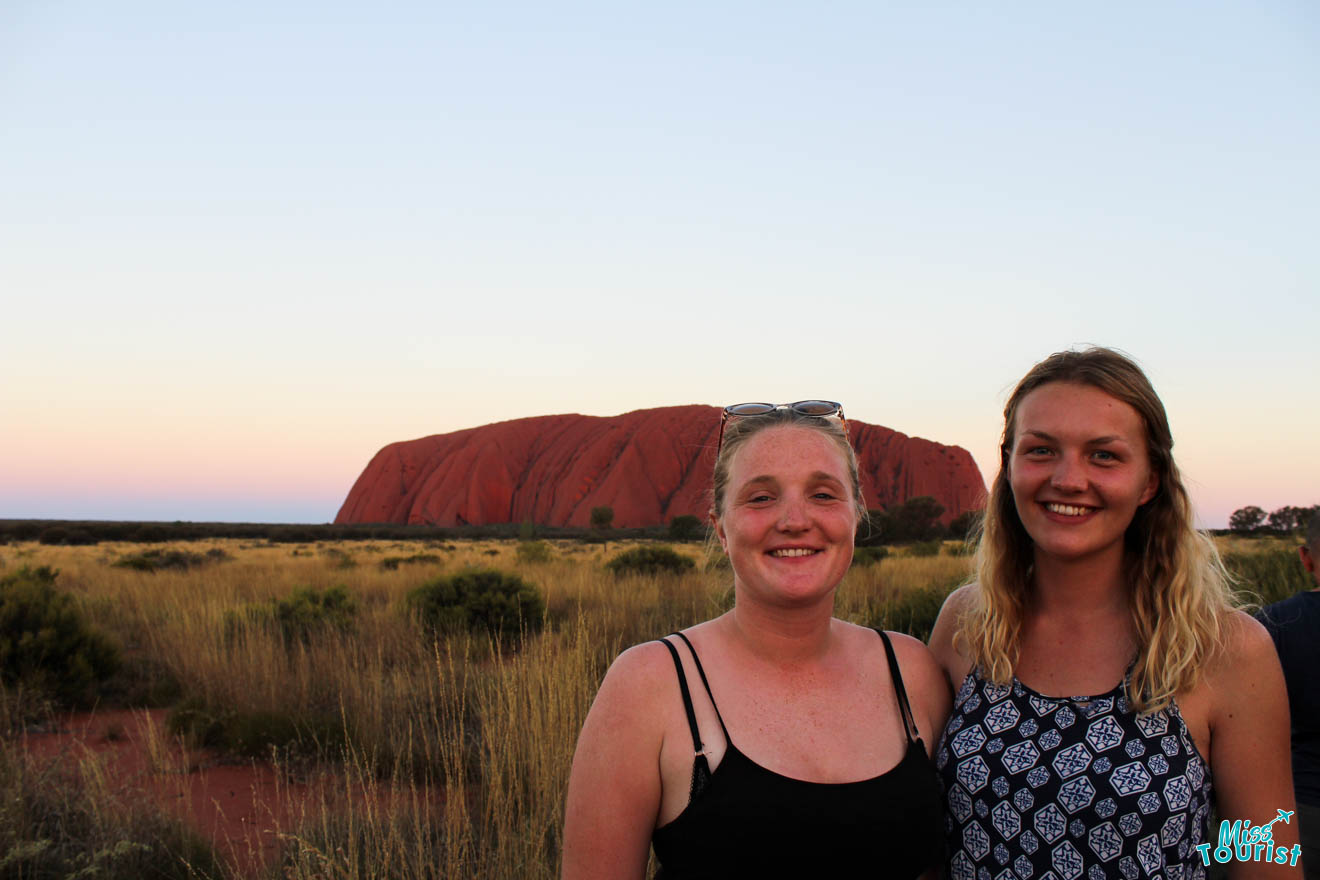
column 1104, row 455
column 1037, row 450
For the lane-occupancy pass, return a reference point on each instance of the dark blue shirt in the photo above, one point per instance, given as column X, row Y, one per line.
column 1294, row 624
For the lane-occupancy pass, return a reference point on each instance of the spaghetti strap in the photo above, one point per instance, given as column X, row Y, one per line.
column 687, row 696
column 905, row 708
column 701, row 672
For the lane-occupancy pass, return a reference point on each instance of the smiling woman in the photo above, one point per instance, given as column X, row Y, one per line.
column 1103, row 677
column 801, row 745
column 1079, row 469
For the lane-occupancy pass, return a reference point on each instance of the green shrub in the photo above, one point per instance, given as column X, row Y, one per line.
column 339, row 559
column 143, row 681
column 478, row 600
column 307, row 611
column 392, row 563
column 686, row 528
column 966, row 524
column 959, row 548
column 650, row 559
column 869, row 555
column 177, row 560
column 44, row 641
column 256, row 733
column 925, row 548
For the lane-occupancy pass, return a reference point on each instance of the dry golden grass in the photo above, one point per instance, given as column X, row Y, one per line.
column 490, row 727
column 461, row 744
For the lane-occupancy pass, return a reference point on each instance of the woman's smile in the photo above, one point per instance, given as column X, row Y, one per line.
column 1069, row 511
column 793, row 552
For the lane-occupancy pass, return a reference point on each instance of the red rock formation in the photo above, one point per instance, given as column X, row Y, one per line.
column 649, row 466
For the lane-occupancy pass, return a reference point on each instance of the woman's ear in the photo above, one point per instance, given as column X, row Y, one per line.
column 1152, row 486
column 719, row 530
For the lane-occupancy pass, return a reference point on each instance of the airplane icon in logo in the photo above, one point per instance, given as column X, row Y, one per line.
column 1284, row 815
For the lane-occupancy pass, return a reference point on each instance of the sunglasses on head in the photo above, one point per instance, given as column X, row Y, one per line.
column 822, row 409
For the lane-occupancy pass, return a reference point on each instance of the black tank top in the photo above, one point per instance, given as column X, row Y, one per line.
column 746, row 821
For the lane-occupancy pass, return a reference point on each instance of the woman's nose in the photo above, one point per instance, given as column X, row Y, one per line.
column 793, row 515
column 1069, row 474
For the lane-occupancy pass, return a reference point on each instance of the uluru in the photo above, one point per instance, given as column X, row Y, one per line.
column 648, row 465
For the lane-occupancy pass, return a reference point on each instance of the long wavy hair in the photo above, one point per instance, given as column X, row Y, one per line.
column 1180, row 594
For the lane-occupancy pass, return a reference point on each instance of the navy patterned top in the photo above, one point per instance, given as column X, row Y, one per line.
column 1060, row 788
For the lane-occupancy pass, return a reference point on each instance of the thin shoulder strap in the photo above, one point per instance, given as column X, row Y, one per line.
column 687, row 696
column 705, row 684
column 905, row 709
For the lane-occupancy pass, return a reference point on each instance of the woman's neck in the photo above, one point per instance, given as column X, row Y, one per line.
column 781, row 636
column 1081, row 587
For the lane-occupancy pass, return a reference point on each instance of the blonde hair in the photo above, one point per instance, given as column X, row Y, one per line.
column 1179, row 591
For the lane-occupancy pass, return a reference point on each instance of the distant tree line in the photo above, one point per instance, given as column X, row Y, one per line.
column 915, row 520
column 1253, row 520
column 74, row 532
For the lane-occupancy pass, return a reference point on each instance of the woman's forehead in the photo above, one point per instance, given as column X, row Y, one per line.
column 788, row 449
column 1075, row 408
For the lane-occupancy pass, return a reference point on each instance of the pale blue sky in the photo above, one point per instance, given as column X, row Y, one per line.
column 244, row 245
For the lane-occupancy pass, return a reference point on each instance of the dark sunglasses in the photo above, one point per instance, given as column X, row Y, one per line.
column 821, row 409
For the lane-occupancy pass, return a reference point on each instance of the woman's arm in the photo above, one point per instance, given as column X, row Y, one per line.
column 1250, row 760
column 614, row 786
column 955, row 665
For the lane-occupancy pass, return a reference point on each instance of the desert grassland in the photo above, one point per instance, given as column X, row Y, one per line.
column 462, row 743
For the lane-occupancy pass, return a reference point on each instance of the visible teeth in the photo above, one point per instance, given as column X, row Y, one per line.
column 794, row 551
column 1066, row 509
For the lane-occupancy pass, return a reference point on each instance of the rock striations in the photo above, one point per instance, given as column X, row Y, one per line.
column 649, row 466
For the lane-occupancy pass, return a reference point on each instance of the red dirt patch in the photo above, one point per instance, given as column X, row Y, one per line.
column 241, row 807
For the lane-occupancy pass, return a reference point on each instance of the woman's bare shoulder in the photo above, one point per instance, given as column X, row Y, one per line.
column 641, row 666
column 1246, row 651
column 924, row 681
column 919, row 666
column 943, row 645
column 961, row 599
column 615, row 786
column 909, row 649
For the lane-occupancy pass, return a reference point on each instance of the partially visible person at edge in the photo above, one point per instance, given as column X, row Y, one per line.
column 1104, row 678
column 798, row 744
column 1294, row 624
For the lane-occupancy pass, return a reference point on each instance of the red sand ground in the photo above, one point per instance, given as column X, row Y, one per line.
column 241, row 807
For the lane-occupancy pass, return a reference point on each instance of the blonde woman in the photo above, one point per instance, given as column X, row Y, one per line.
column 1108, row 694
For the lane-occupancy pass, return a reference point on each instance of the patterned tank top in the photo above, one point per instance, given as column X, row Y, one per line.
column 1060, row 788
